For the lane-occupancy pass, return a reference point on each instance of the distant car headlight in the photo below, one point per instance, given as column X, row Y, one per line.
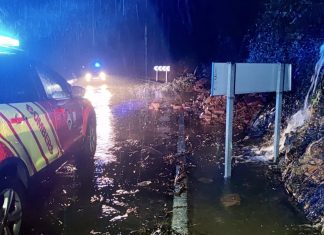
column 102, row 76
column 88, row 77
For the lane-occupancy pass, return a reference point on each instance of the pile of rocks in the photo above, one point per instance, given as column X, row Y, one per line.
column 213, row 109
column 193, row 96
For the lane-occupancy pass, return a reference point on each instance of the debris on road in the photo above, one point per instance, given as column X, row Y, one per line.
column 124, row 192
column 192, row 95
column 144, row 183
column 119, row 217
column 124, row 216
column 205, row 180
column 154, row 106
column 231, row 200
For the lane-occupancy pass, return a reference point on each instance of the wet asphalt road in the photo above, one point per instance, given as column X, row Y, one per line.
column 127, row 187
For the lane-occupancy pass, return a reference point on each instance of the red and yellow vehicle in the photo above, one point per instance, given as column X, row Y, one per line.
column 42, row 118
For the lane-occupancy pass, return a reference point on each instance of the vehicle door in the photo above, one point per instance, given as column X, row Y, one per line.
column 67, row 111
column 24, row 125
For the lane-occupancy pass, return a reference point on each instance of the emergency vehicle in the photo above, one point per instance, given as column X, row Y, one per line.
column 42, row 118
column 94, row 74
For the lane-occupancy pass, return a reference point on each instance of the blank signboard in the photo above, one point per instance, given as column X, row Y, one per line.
column 249, row 78
column 255, row 78
column 219, row 78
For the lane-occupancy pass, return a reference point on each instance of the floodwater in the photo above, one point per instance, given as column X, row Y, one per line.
column 127, row 188
column 252, row 202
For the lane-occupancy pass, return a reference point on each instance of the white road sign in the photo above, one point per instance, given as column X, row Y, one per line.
column 249, row 78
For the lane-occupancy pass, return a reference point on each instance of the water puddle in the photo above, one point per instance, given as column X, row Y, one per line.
column 252, row 202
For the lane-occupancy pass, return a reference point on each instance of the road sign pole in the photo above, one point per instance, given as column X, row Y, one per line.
column 156, row 75
column 229, row 120
column 279, row 91
column 244, row 78
column 166, row 76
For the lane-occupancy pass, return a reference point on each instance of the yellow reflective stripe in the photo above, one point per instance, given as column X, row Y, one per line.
column 49, row 121
column 52, row 152
column 57, row 150
column 27, row 138
column 9, row 147
column 10, row 137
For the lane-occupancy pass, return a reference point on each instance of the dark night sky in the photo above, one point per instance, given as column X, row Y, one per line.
column 205, row 28
column 195, row 31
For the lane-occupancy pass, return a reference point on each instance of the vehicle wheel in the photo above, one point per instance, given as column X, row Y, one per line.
column 90, row 142
column 12, row 194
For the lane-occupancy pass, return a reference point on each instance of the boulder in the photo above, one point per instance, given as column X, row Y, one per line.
column 154, row 106
column 231, row 200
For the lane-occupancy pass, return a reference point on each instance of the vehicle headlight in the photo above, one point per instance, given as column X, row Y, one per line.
column 88, row 77
column 102, row 76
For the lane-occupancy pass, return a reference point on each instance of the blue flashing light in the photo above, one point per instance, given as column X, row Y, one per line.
column 97, row 65
column 8, row 42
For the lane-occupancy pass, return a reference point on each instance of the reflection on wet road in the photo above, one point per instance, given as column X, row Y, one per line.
column 126, row 187
column 100, row 98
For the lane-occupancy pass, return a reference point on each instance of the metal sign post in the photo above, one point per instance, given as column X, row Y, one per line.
column 229, row 120
column 279, row 91
column 230, row 79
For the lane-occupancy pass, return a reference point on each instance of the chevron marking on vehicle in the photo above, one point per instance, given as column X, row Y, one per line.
column 9, row 145
column 25, row 133
column 49, row 121
column 43, row 130
column 12, row 137
column 35, row 132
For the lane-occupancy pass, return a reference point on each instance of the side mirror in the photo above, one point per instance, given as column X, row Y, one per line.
column 78, row 92
column 59, row 95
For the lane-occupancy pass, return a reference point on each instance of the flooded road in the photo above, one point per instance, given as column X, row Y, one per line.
column 127, row 188
column 252, row 202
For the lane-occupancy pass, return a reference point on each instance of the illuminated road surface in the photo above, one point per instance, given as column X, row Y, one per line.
column 125, row 188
